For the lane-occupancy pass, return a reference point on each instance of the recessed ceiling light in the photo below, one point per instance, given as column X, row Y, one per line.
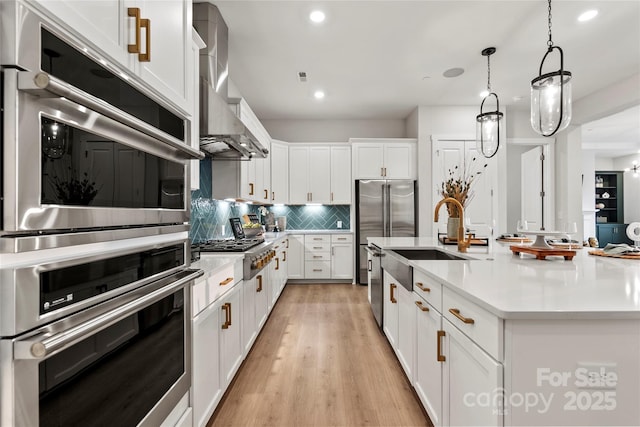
column 453, row 72
column 484, row 93
column 318, row 94
column 317, row 16
column 588, row 15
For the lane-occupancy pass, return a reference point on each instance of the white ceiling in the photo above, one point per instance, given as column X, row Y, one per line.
column 380, row 59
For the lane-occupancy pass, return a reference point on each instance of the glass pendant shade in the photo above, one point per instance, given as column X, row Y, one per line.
column 489, row 132
column 551, row 102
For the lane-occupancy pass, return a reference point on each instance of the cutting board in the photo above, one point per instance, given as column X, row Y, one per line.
column 542, row 253
column 623, row 256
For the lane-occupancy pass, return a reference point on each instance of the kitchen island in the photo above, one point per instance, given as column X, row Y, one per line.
column 501, row 339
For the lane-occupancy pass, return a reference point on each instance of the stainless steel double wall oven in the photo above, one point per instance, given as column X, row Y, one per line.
column 94, row 279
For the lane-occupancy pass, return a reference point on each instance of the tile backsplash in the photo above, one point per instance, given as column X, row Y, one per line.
column 210, row 218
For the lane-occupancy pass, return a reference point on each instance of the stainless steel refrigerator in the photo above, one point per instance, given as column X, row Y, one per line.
column 385, row 208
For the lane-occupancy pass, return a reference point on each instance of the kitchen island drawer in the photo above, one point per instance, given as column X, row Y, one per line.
column 317, row 269
column 428, row 288
column 483, row 327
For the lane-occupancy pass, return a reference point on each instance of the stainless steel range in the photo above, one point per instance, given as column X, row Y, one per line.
column 257, row 252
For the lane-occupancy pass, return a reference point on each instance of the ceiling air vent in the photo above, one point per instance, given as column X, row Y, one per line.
column 302, row 76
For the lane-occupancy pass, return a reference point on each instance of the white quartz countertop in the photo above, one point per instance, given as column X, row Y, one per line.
column 340, row 231
column 212, row 262
column 522, row 287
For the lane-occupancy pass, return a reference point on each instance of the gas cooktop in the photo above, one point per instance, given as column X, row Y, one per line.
column 228, row 245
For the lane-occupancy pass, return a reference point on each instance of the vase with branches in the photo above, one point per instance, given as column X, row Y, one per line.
column 459, row 185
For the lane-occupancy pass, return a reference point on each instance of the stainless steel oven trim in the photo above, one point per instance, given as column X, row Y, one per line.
column 58, row 336
column 44, row 85
column 24, row 212
column 21, row 284
column 22, row 20
column 19, row 380
column 25, row 243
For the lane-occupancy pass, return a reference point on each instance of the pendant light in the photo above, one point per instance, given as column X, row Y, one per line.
column 551, row 95
column 489, row 124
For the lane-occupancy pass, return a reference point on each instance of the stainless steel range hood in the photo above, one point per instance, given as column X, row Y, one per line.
column 223, row 135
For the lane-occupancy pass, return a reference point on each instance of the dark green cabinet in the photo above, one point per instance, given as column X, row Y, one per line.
column 612, row 233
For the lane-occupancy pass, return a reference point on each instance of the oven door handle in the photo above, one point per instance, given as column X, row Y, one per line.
column 47, row 86
column 47, row 344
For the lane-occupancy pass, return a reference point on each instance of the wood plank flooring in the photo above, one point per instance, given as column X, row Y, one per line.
column 320, row 361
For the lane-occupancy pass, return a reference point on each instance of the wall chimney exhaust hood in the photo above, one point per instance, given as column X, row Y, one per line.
column 223, row 135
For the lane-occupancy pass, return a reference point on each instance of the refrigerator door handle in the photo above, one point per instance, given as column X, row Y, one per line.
column 389, row 209
column 385, row 211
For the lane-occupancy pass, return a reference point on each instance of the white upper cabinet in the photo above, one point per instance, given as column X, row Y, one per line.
column 319, row 173
column 279, row 172
column 384, row 158
column 167, row 41
column 150, row 38
column 309, row 174
column 341, row 175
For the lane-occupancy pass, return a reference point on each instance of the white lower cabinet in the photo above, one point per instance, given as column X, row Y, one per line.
column 406, row 331
column 428, row 367
column 207, row 387
column 390, row 307
column 262, row 298
column 342, row 256
column 449, row 348
column 249, row 314
column 295, row 256
column 473, row 382
column 229, row 310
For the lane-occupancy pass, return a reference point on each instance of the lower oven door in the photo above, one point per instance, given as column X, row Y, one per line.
column 125, row 362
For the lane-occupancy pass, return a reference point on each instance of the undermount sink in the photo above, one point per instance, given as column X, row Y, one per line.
column 427, row 254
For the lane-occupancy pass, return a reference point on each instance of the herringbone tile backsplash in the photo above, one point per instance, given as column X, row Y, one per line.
column 210, row 218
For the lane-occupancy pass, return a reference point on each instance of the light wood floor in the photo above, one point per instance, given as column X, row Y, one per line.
column 320, row 361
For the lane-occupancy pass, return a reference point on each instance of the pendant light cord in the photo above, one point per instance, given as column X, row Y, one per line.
column 489, row 73
column 550, row 42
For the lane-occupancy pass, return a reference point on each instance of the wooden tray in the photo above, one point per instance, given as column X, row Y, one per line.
column 515, row 240
column 600, row 252
column 566, row 245
column 475, row 241
column 541, row 253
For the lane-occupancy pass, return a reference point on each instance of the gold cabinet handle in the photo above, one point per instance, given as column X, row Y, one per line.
column 381, row 171
column 385, row 171
column 332, row 196
column 421, row 307
column 146, row 57
column 284, row 256
column 273, row 195
column 251, row 188
column 227, row 315
column 277, row 263
column 441, row 358
column 259, row 277
column 423, row 287
column 456, row 312
column 287, row 243
column 226, row 281
column 317, row 269
column 392, row 286
column 134, row 12
column 266, row 194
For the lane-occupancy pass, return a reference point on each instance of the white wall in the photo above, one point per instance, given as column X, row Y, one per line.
column 334, row 130
column 631, row 188
column 568, row 166
column 604, row 164
column 455, row 121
